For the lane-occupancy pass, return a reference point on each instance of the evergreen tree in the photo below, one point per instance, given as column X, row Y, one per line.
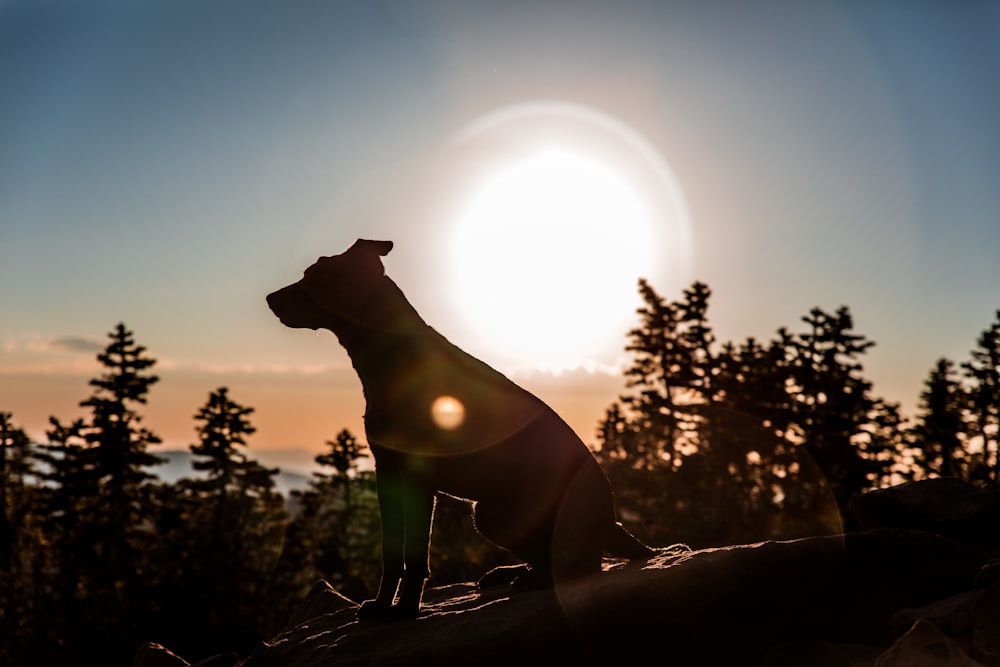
column 119, row 455
column 697, row 340
column 15, row 467
column 883, row 442
column 983, row 373
column 116, row 521
column 771, row 430
column 233, row 529
column 336, row 525
column 18, row 545
column 651, row 377
column 344, row 454
column 223, row 428
column 751, row 380
column 938, row 432
column 67, row 500
column 672, row 369
column 830, row 402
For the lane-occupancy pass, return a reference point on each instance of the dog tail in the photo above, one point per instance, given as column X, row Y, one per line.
column 626, row 545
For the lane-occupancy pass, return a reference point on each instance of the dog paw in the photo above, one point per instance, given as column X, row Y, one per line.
column 373, row 610
column 504, row 575
column 532, row 580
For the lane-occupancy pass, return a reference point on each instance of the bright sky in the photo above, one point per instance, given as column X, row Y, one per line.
column 168, row 163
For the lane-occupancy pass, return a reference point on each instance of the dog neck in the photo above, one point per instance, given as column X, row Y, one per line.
column 388, row 333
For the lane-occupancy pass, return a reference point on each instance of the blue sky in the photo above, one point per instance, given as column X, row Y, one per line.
column 166, row 164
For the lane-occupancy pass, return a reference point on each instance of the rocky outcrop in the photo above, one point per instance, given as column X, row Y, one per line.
column 944, row 506
column 916, row 589
column 738, row 605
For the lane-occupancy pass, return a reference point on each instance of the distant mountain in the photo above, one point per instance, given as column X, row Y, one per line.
column 295, row 465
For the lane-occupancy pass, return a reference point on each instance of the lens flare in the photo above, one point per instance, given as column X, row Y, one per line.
column 447, row 412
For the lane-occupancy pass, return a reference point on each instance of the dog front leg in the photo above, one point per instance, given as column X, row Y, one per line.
column 419, row 508
column 393, row 515
column 406, row 509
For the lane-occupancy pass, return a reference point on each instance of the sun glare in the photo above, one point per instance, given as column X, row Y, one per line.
column 551, row 238
column 548, row 251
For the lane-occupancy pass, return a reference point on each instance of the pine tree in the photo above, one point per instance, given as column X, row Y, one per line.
column 118, row 442
column 116, row 521
column 334, row 534
column 751, row 380
column 343, row 456
column 18, row 545
column 672, row 370
column 938, row 432
column 68, row 499
column 698, row 340
column 983, row 373
column 765, row 429
column 15, row 467
column 235, row 526
column 223, row 428
column 830, row 402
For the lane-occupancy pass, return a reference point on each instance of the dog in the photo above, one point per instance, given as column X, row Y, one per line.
column 438, row 420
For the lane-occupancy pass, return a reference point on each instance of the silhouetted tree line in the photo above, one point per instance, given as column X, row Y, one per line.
column 98, row 555
column 724, row 443
column 711, row 444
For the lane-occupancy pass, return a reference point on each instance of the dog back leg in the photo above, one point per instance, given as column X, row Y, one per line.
column 581, row 525
column 530, row 539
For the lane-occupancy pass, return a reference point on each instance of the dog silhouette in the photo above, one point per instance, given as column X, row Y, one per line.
column 438, row 420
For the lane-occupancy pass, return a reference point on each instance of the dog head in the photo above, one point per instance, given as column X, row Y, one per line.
column 341, row 292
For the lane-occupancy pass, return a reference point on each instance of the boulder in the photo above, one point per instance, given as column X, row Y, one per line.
column 820, row 654
column 156, row 655
column 986, row 627
column 924, row 645
column 944, row 506
column 716, row 606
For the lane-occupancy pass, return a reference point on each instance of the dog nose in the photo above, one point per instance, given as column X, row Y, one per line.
column 274, row 301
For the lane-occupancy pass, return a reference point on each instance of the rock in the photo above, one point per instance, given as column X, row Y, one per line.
column 971, row 619
column 155, row 655
column 986, row 626
column 924, row 645
column 989, row 575
column 944, row 506
column 820, row 654
column 952, row 615
column 716, row 606
column 322, row 599
column 221, row 660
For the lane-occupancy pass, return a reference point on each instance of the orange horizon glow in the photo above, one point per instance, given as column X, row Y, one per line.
column 291, row 411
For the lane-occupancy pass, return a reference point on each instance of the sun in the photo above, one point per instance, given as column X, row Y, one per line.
column 553, row 234
column 548, row 251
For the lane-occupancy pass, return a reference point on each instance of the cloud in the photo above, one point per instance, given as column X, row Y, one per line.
column 74, row 367
column 268, row 368
column 579, row 369
column 33, row 353
column 76, row 344
column 36, row 342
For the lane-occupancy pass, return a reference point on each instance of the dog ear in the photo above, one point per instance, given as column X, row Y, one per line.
column 380, row 248
column 345, row 284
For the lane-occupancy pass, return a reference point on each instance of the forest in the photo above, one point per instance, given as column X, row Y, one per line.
column 710, row 443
